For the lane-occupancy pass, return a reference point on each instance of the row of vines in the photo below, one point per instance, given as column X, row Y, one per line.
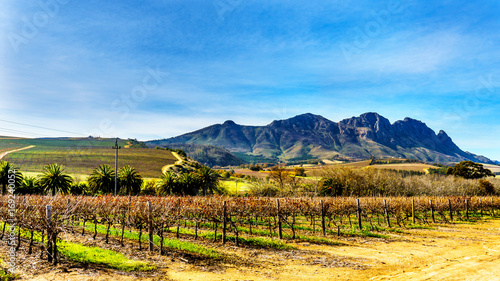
column 226, row 217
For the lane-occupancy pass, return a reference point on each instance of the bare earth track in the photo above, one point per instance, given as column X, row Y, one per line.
column 3, row 154
column 460, row 251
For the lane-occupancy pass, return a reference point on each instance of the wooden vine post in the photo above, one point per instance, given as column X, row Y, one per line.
column 359, row 214
column 451, row 210
column 150, row 225
column 413, row 210
column 224, row 222
column 387, row 214
column 48, row 214
column 492, row 208
column 280, row 230
column 323, row 218
column 467, row 209
column 480, row 207
column 432, row 212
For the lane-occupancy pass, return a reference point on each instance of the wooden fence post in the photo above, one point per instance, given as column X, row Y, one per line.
column 150, row 225
column 280, row 230
column 387, row 214
column 359, row 215
column 323, row 218
column 224, row 221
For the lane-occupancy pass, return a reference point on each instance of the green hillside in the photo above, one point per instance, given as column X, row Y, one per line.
column 82, row 155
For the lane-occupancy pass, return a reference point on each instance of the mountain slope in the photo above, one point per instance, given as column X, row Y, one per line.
column 309, row 136
column 206, row 154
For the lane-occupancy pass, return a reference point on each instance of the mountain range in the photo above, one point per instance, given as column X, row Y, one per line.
column 310, row 136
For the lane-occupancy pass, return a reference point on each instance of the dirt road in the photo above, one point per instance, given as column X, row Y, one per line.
column 178, row 162
column 3, row 154
column 458, row 252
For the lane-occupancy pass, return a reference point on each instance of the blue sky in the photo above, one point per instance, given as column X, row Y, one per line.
column 157, row 69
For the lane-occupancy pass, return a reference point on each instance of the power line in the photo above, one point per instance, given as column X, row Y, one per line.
column 19, row 132
column 40, row 127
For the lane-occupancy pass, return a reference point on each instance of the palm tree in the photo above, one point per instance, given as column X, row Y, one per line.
column 189, row 184
column 208, row 179
column 168, row 184
column 54, row 179
column 130, row 181
column 29, row 185
column 8, row 172
column 102, row 179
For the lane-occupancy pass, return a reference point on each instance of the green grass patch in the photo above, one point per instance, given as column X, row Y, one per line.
column 169, row 243
column 95, row 255
column 264, row 242
column 418, row 226
column 365, row 232
column 235, row 187
column 263, row 232
column 5, row 275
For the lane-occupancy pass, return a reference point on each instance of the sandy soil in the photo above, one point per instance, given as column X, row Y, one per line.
column 447, row 252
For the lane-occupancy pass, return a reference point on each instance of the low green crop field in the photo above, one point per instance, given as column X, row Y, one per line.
column 81, row 156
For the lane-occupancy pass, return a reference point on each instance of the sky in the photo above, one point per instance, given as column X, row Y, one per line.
column 154, row 69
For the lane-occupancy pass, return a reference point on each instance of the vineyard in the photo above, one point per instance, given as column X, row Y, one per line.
column 253, row 222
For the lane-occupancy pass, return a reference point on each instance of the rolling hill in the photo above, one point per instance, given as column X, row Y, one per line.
column 82, row 155
column 209, row 155
column 310, row 136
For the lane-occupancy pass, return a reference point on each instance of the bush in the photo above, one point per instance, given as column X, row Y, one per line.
column 300, row 172
column 263, row 188
column 148, row 188
column 487, row 187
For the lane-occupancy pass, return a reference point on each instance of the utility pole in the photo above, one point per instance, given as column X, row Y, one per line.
column 116, row 147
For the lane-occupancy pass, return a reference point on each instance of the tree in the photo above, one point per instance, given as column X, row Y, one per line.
column 54, row 179
column 208, row 179
column 130, row 181
column 79, row 188
column 29, row 185
column 300, row 172
column 7, row 171
column 168, row 184
column 469, row 170
column 189, row 184
column 280, row 175
column 331, row 186
column 102, row 180
column 486, row 187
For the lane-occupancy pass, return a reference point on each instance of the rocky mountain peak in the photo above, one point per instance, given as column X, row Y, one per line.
column 229, row 123
column 303, row 121
column 312, row 136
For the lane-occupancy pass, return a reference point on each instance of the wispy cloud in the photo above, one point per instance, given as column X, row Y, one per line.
column 263, row 61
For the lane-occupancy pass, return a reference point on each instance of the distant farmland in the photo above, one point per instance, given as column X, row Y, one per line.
column 81, row 156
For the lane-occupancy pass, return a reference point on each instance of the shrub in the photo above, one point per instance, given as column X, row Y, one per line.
column 487, row 187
